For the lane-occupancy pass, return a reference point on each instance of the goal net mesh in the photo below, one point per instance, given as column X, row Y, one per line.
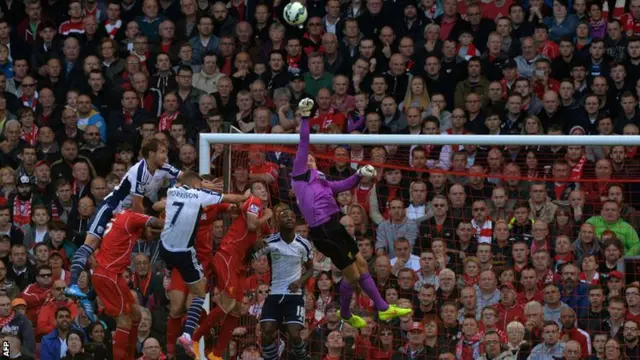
column 433, row 208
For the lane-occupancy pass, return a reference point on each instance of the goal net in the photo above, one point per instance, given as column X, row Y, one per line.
column 479, row 206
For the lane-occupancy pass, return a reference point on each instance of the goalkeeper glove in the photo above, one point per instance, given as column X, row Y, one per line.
column 305, row 107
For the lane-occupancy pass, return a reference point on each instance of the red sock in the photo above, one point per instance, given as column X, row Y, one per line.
column 174, row 325
column 229, row 324
column 212, row 319
column 133, row 340
column 120, row 341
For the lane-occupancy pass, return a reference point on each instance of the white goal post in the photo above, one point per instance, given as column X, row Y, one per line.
column 206, row 140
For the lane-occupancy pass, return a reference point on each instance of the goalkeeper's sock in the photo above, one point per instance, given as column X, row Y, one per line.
column 346, row 293
column 369, row 287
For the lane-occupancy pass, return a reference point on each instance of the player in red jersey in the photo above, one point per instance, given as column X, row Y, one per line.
column 246, row 229
column 179, row 296
column 113, row 258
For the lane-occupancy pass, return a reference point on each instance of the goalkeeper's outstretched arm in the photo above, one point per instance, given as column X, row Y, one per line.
column 302, row 155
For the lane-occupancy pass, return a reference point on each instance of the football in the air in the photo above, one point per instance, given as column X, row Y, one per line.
column 295, row 13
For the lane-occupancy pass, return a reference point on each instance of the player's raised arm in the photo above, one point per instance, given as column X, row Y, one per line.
column 302, row 155
column 352, row 181
column 233, row 198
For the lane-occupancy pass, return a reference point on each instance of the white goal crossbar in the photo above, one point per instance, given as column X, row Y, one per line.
column 206, row 140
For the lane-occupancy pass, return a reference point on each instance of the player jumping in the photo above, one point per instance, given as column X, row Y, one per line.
column 120, row 236
column 144, row 178
column 184, row 207
column 179, row 296
column 288, row 253
column 316, row 200
column 228, row 265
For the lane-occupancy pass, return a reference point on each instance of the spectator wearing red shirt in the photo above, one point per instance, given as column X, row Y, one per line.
column 335, row 346
column 631, row 20
column 508, row 308
column 37, row 293
column 545, row 47
column 495, row 9
column 529, row 286
column 326, row 114
column 262, row 170
column 46, row 317
column 470, row 345
column 262, row 273
column 541, row 79
column 570, row 331
column 74, row 25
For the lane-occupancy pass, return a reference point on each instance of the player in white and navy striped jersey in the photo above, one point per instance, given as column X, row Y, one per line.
column 291, row 258
column 143, row 179
column 184, row 207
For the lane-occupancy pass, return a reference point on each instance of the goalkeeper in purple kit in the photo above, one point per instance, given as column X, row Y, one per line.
column 316, row 200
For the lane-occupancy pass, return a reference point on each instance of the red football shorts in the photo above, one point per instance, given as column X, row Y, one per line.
column 177, row 282
column 228, row 277
column 113, row 292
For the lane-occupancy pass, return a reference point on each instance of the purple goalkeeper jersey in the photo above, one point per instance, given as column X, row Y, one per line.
column 315, row 194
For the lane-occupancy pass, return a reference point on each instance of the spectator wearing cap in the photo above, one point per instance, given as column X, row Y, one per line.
column 35, row 295
column 615, row 283
column 19, row 305
column 21, row 203
column 414, row 348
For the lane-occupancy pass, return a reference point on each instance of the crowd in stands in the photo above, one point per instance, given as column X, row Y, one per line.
column 503, row 252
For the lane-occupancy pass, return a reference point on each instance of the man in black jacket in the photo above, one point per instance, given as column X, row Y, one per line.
column 20, row 270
